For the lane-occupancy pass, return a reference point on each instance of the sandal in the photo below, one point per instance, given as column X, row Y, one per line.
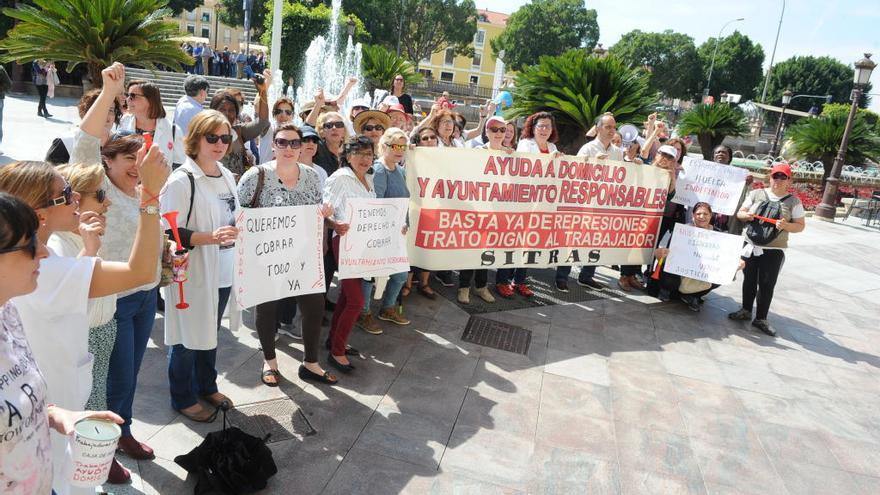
column 202, row 415
column 217, row 399
column 427, row 292
column 405, row 291
column 270, row 374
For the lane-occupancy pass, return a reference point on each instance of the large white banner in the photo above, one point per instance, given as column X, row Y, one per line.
column 487, row 209
column 375, row 245
column 710, row 182
column 703, row 254
column 279, row 253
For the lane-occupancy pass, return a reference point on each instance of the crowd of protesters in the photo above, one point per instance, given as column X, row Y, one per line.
column 86, row 254
column 208, row 61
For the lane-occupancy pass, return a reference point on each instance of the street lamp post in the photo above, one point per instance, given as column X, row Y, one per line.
column 828, row 207
column 773, row 56
column 715, row 52
column 786, row 99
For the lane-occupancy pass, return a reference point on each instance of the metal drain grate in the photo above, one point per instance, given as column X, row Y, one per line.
column 282, row 419
column 497, row 335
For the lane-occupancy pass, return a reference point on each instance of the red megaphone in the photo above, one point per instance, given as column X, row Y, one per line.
column 178, row 267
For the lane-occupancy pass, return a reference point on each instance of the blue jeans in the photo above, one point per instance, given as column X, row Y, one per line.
column 193, row 373
column 518, row 275
column 135, row 314
column 586, row 274
column 392, row 289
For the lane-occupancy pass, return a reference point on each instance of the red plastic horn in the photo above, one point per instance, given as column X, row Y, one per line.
column 171, row 218
column 771, row 221
column 656, row 274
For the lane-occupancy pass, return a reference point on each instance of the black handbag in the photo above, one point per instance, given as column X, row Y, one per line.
column 229, row 461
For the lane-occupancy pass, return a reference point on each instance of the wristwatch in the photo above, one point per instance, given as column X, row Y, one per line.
column 150, row 209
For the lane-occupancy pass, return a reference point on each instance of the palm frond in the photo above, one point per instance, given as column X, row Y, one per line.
column 815, row 138
column 381, row 65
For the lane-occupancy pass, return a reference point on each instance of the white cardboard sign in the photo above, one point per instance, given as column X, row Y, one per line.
column 375, row 245
column 703, row 254
column 710, row 182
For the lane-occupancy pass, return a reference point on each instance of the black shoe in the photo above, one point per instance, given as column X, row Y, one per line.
column 345, row 368
column 329, row 305
column 763, row 326
column 692, row 303
column 349, row 350
column 562, row 285
column 591, row 283
column 47, row 115
column 663, row 295
column 741, row 314
column 308, row 375
column 445, row 278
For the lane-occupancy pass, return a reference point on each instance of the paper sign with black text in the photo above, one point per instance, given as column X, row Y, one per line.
column 704, row 181
column 703, row 254
column 278, row 253
column 375, row 245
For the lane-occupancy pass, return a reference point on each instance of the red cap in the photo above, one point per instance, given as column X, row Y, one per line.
column 781, row 168
column 397, row 107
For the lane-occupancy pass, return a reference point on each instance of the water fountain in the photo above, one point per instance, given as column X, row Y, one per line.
column 326, row 66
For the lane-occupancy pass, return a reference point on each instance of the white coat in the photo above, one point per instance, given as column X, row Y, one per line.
column 170, row 142
column 196, row 326
column 529, row 145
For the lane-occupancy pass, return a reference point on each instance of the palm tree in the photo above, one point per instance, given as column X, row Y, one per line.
column 576, row 88
column 819, row 139
column 712, row 123
column 93, row 32
column 381, row 65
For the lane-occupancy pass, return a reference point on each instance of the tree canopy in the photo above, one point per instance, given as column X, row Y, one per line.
column 431, row 25
column 812, row 76
column 670, row 58
column 737, row 65
column 178, row 6
column 546, row 27
column 231, row 12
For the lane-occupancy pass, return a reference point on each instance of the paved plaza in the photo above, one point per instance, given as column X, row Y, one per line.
column 624, row 395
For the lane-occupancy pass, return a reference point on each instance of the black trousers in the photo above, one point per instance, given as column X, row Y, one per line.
column 480, row 278
column 43, row 91
column 312, row 307
column 759, row 280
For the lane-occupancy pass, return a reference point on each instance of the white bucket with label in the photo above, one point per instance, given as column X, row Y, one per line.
column 94, row 444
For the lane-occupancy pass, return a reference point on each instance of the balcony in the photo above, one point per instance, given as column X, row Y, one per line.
column 436, row 87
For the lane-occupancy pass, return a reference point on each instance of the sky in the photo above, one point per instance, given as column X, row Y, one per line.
column 843, row 29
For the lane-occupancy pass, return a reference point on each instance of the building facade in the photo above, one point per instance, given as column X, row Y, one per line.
column 202, row 25
column 478, row 70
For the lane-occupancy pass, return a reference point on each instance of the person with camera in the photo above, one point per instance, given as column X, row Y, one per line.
column 772, row 214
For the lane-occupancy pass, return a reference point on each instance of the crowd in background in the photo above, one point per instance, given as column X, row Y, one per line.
column 240, row 64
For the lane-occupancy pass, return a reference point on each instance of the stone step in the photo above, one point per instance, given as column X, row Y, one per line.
column 171, row 84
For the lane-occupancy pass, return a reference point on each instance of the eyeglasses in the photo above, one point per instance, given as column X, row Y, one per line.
column 66, row 197
column 285, row 112
column 100, row 195
column 133, row 96
column 398, row 147
column 374, row 127
column 288, row 143
column 544, row 126
column 780, row 176
column 213, row 138
column 432, row 137
column 31, row 246
column 331, row 125
column 496, row 129
column 398, row 79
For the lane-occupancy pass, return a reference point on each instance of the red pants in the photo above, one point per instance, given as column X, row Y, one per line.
column 348, row 309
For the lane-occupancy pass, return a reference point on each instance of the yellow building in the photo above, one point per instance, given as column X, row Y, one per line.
column 477, row 71
column 202, row 25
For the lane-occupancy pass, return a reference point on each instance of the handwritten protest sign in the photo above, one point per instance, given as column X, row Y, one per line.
column 487, row 209
column 374, row 245
column 710, row 182
column 703, row 254
column 279, row 253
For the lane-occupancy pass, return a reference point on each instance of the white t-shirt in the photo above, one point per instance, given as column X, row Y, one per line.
column 25, row 454
column 225, row 206
column 750, row 249
column 101, row 309
column 121, row 229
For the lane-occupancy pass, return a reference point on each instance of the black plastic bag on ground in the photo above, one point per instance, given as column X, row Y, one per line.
column 229, row 462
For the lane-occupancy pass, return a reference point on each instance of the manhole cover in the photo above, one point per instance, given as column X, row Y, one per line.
column 497, row 335
column 281, row 419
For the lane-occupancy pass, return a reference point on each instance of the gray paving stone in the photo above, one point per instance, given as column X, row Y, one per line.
column 570, row 395
column 650, row 414
column 589, row 368
column 560, row 471
column 807, row 479
column 744, row 468
column 657, row 451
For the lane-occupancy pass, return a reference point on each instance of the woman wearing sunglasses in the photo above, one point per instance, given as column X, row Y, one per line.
column 352, row 180
column 285, row 182
column 372, row 123
column 389, row 181
column 764, row 260
column 282, row 113
column 203, row 193
column 28, row 412
column 55, row 316
column 146, row 115
column 88, row 182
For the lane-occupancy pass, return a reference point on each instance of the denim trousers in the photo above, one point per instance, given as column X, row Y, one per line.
column 392, row 290
column 193, row 373
column 135, row 314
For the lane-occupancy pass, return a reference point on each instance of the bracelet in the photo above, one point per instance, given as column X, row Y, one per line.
column 151, row 198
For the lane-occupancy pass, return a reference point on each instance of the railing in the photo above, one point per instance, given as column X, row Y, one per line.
column 454, row 89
